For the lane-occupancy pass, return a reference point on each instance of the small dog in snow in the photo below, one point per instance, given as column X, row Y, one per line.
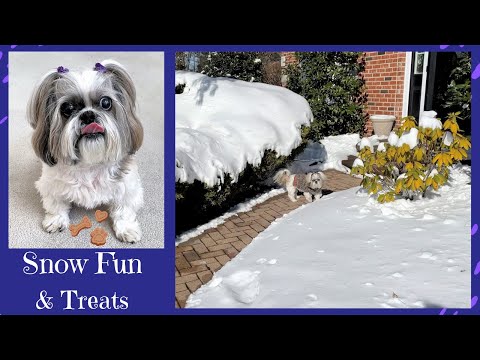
column 310, row 184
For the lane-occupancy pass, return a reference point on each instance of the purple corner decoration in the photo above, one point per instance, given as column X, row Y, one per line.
column 477, row 269
column 100, row 68
column 13, row 46
column 443, row 312
column 474, row 229
column 474, row 301
column 1, row 55
column 3, row 120
column 5, row 79
column 455, row 313
column 62, row 70
column 443, row 47
column 476, row 72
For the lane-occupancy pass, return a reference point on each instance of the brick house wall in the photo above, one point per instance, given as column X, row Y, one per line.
column 384, row 81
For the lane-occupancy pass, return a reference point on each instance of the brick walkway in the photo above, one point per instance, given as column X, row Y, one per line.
column 198, row 258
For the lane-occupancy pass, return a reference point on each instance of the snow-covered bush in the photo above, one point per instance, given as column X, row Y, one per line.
column 333, row 85
column 230, row 137
column 414, row 159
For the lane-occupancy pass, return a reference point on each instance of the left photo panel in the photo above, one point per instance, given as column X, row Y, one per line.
column 86, row 150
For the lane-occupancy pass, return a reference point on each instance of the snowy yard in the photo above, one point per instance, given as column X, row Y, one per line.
column 348, row 251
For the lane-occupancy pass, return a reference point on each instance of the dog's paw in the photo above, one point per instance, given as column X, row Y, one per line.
column 127, row 231
column 53, row 223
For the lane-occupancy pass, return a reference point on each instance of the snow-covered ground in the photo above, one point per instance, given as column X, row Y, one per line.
column 222, row 124
column 348, row 251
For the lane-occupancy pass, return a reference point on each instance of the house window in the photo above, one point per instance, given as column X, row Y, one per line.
column 419, row 58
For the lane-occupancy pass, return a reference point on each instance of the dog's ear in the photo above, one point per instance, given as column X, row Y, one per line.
column 40, row 110
column 322, row 175
column 308, row 178
column 123, row 84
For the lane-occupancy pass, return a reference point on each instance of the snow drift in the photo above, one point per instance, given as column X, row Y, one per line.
column 222, row 124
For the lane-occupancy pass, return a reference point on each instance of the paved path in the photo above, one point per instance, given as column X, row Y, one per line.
column 198, row 258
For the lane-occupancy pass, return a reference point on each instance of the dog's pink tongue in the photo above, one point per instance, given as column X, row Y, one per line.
column 92, row 128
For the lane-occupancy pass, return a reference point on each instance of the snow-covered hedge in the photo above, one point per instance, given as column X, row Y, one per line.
column 222, row 124
column 230, row 137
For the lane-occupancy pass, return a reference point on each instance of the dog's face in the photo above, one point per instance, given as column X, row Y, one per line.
column 85, row 117
column 315, row 180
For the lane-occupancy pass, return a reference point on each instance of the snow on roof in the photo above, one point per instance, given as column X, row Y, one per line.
column 222, row 124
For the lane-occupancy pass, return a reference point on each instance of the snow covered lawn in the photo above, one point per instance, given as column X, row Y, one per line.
column 222, row 124
column 348, row 251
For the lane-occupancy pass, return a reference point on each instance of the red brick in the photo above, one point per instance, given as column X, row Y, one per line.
column 193, row 270
column 214, row 266
column 180, row 287
column 239, row 245
column 251, row 233
column 202, row 261
column 223, row 259
column 184, row 279
column 212, row 254
column 200, row 248
column 208, row 241
column 191, row 256
column 181, row 263
column 205, row 276
column 257, row 227
column 194, row 285
column 216, row 235
column 232, row 252
column 230, row 239
column 182, row 297
column 219, row 247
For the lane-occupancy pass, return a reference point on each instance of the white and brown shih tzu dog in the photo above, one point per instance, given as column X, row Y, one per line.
column 310, row 184
column 86, row 132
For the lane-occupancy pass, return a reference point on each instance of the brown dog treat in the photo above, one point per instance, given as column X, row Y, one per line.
column 99, row 237
column 84, row 224
column 101, row 215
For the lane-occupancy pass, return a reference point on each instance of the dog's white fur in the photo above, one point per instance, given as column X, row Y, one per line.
column 310, row 184
column 88, row 172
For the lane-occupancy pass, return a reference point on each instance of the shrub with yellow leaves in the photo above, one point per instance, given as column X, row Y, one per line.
column 415, row 159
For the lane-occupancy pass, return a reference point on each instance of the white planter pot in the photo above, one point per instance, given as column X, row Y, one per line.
column 382, row 124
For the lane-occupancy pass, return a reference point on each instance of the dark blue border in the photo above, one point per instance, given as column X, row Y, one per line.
column 153, row 291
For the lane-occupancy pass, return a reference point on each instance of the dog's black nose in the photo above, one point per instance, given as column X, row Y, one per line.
column 87, row 117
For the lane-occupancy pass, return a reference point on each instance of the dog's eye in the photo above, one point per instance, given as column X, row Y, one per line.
column 67, row 109
column 106, row 103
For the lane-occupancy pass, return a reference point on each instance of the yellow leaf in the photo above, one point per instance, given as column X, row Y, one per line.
column 454, row 129
column 398, row 186
column 409, row 166
column 429, row 181
column 447, row 124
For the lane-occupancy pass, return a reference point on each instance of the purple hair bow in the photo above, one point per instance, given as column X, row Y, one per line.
column 62, row 70
column 100, row 68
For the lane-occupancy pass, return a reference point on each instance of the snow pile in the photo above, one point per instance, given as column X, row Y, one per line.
column 393, row 139
column 348, row 251
column 242, row 207
column 365, row 142
column 328, row 154
column 222, row 124
column 448, row 138
column 409, row 137
column 428, row 120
